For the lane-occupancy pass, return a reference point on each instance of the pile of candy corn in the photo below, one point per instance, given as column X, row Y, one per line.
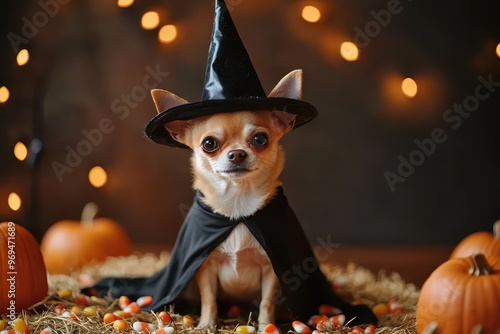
column 124, row 315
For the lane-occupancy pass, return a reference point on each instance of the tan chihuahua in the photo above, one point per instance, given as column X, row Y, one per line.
column 236, row 164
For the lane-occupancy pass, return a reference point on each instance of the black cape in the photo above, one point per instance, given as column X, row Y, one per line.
column 303, row 286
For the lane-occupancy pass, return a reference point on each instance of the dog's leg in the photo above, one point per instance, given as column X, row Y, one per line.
column 270, row 286
column 206, row 279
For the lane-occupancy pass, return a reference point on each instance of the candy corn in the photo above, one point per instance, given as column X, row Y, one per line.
column 270, row 329
column 47, row 330
column 76, row 310
column 120, row 315
column 123, row 301
column 144, row 301
column 328, row 310
column 69, row 315
column 357, row 330
column 338, row 320
column 370, row 329
column 132, row 308
column 20, row 326
column 59, row 309
column 90, row 310
column 109, row 318
column 120, row 325
column 165, row 330
column 188, row 321
column 245, row 329
column 394, row 307
column 300, row 327
column 86, row 279
column 315, row 319
column 65, row 293
column 165, row 318
column 82, row 300
column 143, row 326
column 380, row 310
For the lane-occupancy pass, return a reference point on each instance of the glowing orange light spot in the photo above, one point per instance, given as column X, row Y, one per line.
column 20, row 151
column 150, row 20
column 167, row 34
column 349, row 51
column 98, row 176
column 14, row 201
column 409, row 87
column 23, row 57
column 4, row 94
column 311, row 14
column 125, row 3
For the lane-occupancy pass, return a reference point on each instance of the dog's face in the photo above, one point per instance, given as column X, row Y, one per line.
column 234, row 145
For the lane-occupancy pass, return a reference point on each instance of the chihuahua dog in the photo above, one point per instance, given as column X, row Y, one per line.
column 236, row 163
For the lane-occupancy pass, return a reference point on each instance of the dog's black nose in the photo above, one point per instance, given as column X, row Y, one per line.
column 237, row 156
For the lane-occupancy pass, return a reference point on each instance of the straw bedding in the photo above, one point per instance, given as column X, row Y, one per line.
column 356, row 282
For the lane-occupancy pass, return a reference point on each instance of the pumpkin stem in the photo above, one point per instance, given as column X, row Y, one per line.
column 480, row 265
column 478, row 329
column 496, row 230
column 431, row 328
column 88, row 214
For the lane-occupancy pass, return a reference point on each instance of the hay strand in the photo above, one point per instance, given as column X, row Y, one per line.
column 357, row 283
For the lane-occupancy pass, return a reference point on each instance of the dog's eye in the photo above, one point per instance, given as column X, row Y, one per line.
column 260, row 140
column 210, row 145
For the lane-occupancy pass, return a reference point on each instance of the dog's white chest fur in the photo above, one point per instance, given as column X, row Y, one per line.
column 240, row 259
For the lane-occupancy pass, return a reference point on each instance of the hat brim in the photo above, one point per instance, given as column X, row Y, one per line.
column 157, row 132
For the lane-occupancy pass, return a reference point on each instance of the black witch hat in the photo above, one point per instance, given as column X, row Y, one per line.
column 231, row 84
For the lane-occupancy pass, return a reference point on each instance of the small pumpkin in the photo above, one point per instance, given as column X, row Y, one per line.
column 69, row 244
column 483, row 242
column 461, row 296
column 23, row 278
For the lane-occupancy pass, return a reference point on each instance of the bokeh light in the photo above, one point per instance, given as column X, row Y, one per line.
column 409, row 87
column 150, row 20
column 125, row 3
column 14, row 201
column 20, row 151
column 349, row 51
column 498, row 50
column 4, row 94
column 311, row 14
column 167, row 34
column 23, row 57
column 98, row 176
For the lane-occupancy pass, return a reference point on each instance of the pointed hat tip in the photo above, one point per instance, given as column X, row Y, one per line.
column 230, row 72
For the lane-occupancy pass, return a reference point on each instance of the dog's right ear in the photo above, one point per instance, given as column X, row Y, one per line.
column 165, row 100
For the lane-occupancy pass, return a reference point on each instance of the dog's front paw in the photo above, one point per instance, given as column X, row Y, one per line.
column 205, row 324
column 207, row 320
column 208, row 316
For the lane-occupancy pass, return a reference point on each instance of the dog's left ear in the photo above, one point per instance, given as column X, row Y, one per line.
column 290, row 86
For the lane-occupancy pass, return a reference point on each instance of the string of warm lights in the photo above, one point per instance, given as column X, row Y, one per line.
column 151, row 20
column 20, row 149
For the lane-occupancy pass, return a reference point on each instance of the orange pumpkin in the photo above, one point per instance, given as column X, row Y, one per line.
column 483, row 242
column 461, row 296
column 23, row 278
column 68, row 244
